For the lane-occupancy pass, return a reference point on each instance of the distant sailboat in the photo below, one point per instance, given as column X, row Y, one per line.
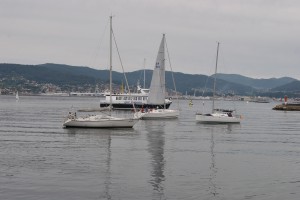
column 101, row 121
column 17, row 96
column 218, row 115
column 158, row 90
column 191, row 103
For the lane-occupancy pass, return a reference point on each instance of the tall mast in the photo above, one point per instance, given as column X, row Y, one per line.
column 213, row 107
column 163, row 74
column 144, row 73
column 110, row 67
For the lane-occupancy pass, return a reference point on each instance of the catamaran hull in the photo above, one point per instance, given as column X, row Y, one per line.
column 217, row 119
column 123, row 123
column 123, row 106
column 160, row 114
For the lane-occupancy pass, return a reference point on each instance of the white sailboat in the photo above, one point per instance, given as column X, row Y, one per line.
column 101, row 121
column 98, row 121
column 157, row 90
column 218, row 115
column 17, row 96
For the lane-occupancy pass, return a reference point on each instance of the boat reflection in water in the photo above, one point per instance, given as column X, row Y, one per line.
column 104, row 141
column 212, row 167
column 156, row 144
column 107, row 181
column 213, row 185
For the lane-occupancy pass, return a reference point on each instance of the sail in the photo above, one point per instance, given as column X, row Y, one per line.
column 157, row 87
column 17, row 96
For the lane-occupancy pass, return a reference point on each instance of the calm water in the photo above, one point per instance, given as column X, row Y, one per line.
column 174, row 159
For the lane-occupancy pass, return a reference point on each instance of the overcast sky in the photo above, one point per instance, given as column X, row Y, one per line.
column 259, row 38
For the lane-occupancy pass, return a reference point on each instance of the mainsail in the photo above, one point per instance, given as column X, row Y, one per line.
column 157, row 87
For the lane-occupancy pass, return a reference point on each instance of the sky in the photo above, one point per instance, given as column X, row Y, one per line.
column 258, row 38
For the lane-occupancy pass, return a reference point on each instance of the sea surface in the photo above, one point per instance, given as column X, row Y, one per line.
column 161, row 159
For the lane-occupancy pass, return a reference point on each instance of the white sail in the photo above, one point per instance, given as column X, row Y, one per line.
column 17, row 96
column 157, row 90
column 157, row 87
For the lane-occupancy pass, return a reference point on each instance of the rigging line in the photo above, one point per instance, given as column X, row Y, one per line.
column 123, row 68
column 203, row 91
column 203, row 95
column 207, row 77
column 100, row 44
column 142, row 73
column 215, row 76
column 172, row 72
column 163, row 85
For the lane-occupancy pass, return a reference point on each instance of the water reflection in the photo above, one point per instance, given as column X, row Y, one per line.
column 100, row 132
column 103, row 138
column 227, row 128
column 212, row 167
column 156, row 143
column 107, row 182
column 215, row 130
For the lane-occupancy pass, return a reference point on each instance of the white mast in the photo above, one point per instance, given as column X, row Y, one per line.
column 213, row 106
column 110, row 67
column 144, row 73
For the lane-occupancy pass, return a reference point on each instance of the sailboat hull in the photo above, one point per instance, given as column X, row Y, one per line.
column 160, row 114
column 217, row 119
column 109, row 122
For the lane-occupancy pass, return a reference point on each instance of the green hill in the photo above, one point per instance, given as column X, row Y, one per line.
column 293, row 86
column 256, row 83
column 67, row 77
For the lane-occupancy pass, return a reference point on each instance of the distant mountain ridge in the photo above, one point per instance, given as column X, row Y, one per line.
column 256, row 83
column 192, row 84
column 293, row 86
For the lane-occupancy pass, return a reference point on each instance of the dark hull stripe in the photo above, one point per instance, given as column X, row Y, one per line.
column 99, row 127
column 130, row 106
